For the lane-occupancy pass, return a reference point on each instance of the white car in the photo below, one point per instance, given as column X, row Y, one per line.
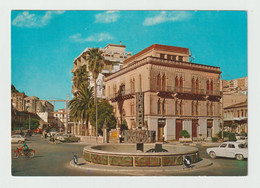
column 230, row 150
column 17, row 139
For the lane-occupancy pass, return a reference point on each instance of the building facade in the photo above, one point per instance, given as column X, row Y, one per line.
column 159, row 89
column 236, row 114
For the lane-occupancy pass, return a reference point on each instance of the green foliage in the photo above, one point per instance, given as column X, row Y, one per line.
column 72, row 139
column 124, row 126
column 185, row 134
column 13, row 89
column 219, row 135
column 81, row 105
column 232, row 137
column 81, row 76
column 214, row 139
column 95, row 61
column 105, row 111
column 34, row 124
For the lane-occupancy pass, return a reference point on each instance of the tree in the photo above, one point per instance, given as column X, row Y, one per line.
column 81, row 76
column 81, row 105
column 105, row 111
column 13, row 89
column 95, row 65
column 34, row 124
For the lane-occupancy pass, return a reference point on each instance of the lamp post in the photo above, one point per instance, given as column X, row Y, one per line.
column 97, row 113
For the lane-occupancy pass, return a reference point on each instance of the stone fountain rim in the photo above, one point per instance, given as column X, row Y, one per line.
column 190, row 148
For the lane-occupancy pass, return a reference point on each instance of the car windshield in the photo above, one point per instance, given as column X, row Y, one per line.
column 223, row 145
column 242, row 146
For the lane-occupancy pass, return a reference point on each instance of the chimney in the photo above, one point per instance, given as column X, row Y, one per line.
column 120, row 42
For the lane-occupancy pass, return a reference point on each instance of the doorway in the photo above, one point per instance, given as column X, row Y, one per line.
column 209, row 127
column 195, row 123
column 178, row 128
column 161, row 124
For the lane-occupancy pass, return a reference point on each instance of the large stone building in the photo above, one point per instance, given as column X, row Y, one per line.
column 159, row 89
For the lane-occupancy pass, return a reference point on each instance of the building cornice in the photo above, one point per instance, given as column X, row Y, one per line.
column 164, row 62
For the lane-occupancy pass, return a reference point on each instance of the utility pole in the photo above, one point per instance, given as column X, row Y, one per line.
column 66, row 111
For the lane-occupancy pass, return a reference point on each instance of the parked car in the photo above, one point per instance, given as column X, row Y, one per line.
column 63, row 137
column 242, row 139
column 17, row 139
column 230, row 150
column 51, row 134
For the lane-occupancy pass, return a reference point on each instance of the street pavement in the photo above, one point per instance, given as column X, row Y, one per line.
column 54, row 160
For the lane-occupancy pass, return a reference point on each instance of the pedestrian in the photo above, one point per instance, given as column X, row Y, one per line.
column 45, row 135
column 120, row 138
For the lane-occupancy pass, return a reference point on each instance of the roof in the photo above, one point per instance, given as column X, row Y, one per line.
column 159, row 47
column 118, row 45
column 237, row 105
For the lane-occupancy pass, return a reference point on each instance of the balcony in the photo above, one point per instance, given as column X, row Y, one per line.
column 122, row 95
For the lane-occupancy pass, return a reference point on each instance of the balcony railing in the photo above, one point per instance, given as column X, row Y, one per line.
column 187, row 90
column 122, row 93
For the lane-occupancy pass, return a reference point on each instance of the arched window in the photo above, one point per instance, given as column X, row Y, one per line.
column 197, row 85
column 159, row 106
column 193, row 107
column 197, row 108
column 211, row 86
column 164, row 82
column 163, row 106
column 207, row 86
column 176, row 83
column 159, row 82
column 193, row 85
column 176, row 107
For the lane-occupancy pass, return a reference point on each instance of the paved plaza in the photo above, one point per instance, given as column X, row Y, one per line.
column 56, row 160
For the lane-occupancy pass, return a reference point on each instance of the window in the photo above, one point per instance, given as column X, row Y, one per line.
column 197, row 85
column 164, row 82
column 174, row 57
column 181, row 84
column 211, row 86
column 169, row 57
column 223, row 145
column 176, row 83
column 176, row 107
column 159, row 106
column 162, row 56
column 181, row 107
column 180, row 58
column 231, row 146
column 163, row 107
column 193, row 107
column 159, row 82
column 193, row 85
column 197, row 108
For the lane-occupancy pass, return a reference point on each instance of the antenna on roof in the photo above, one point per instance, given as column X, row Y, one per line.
column 191, row 57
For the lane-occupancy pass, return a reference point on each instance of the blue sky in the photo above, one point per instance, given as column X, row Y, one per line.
column 45, row 43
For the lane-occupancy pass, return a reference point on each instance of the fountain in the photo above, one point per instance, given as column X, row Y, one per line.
column 136, row 155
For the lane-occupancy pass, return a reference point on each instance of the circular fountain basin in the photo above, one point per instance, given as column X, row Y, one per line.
column 126, row 155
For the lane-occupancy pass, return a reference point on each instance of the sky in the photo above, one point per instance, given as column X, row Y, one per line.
column 45, row 43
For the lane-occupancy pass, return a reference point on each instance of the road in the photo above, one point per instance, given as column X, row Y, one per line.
column 53, row 160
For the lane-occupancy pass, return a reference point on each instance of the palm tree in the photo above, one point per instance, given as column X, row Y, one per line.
column 81, row 75
column 80, row 106
column 95, row 61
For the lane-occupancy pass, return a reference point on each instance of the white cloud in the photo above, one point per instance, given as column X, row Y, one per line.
column 168, row 16
column 107, row 17
column 25, row 19
column 99, row 37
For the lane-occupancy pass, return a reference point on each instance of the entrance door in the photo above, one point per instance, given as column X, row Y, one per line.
column 161, row 124
column 209, row 127
column 178, row 128
column 195, row 123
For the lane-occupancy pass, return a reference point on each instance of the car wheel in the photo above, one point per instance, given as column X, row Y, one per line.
column 239, row 157
column 212, row 154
